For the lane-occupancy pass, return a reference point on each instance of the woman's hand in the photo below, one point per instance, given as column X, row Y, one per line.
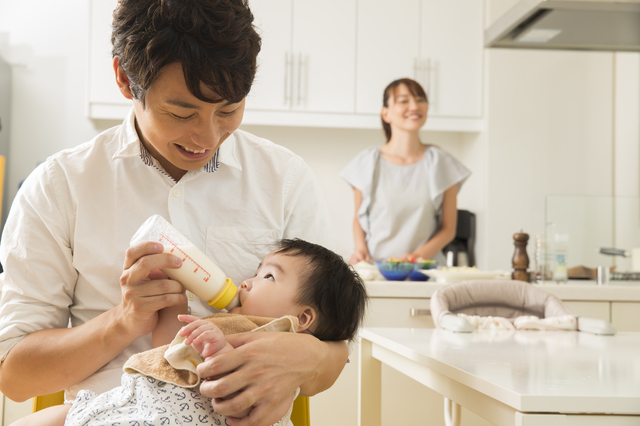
column 358, row 256
column 146, row 289
column 266, row 369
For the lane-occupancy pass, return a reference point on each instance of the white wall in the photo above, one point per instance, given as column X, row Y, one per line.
column 549, row 124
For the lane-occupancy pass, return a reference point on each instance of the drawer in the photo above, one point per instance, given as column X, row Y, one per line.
column 398, row 312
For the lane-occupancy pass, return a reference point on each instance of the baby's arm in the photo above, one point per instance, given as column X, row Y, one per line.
column 168, row 324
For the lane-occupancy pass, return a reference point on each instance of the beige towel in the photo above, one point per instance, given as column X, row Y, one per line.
column 176, row 363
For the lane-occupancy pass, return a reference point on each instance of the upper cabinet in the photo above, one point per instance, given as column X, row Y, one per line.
column 438, row 43
column 326, row 63
column 306, row 63
column 388, row 48
column 451, row 55
column 105, row 100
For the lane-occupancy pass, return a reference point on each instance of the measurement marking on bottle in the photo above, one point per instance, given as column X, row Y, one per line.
column 185, row 257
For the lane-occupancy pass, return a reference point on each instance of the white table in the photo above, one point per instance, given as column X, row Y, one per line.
column 522, row 378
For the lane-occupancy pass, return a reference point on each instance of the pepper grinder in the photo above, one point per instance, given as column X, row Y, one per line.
column 520, row 261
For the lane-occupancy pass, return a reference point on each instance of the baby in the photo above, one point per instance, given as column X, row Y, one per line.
column 298, row 279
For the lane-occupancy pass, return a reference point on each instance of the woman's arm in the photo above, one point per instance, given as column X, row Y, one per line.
column 359, row 236
column 267, row 368
column 168, row 324
column 448, row 227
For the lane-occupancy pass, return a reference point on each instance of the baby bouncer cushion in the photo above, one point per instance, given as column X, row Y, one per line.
column 501, row 298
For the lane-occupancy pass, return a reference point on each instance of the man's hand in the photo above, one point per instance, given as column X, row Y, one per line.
column 266, row 369
column 146, row 289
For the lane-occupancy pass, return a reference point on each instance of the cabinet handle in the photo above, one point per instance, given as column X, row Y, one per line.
column 428, row 71
column 414, row 312
column 300, row 64
column 286, row 77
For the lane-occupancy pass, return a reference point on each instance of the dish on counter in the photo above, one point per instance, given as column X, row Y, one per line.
column 462, row 273
column 395, row 269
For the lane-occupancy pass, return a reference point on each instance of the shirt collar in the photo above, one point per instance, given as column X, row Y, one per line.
column 130, row 145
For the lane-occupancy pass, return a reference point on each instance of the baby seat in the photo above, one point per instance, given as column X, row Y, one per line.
column 498, row 298
column 501, row 298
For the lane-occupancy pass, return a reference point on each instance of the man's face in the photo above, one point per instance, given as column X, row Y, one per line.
column 179, row 130
column 273, row 291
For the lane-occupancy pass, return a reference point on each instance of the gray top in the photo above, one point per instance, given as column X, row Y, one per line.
column 401, row 204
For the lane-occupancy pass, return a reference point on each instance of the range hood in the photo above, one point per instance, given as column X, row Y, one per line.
column 604, row 25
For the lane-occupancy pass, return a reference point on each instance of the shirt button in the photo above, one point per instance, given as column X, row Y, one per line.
column 176, row 193
column 191, row 296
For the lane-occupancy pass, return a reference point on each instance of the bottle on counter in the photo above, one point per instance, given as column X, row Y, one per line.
column 560, row 264
column 540, row 258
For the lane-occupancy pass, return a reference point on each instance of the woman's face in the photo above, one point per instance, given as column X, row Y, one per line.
column 181, row 131
column 404, row 111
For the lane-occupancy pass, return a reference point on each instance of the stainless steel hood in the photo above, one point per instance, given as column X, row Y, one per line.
column 605, row 25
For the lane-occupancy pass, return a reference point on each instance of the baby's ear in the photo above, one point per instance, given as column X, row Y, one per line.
column 306, row 318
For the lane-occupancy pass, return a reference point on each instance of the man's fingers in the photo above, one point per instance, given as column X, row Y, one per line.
column 134, row 253
column 224, row 386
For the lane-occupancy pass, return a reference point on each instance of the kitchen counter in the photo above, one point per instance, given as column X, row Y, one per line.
column 579, row 290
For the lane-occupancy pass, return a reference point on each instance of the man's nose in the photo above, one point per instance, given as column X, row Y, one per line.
column 206, row 134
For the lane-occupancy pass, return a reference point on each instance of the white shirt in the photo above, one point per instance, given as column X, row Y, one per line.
column 401, row 203
column 71, row 222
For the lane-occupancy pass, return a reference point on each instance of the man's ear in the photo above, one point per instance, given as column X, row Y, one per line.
column 122, row 80
column 306, row 318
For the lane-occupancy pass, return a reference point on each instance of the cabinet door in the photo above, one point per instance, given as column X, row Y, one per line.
column 324, row 38
column 105, row 100
column 451, row 57
column 388, row 48
column 272, row 86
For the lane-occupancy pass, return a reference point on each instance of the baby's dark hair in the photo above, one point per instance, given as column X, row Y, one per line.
column 331, row 286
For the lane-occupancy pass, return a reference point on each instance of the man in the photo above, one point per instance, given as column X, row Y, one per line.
column 187, row 66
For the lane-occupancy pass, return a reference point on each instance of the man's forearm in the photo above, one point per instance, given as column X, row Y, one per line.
column 47, row 361
column 333, row 358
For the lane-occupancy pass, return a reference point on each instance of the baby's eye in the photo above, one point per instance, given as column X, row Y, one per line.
column 269, row 277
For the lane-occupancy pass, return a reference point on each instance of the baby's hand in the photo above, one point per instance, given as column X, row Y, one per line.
column 203, row 336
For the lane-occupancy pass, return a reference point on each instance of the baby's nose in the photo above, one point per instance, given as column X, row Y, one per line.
column 246, row 285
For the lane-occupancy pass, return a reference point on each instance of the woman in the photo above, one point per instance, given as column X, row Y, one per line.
column 405, row 191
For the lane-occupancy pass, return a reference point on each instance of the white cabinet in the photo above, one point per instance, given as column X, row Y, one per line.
column 326, row 63
column 105, row 100
column 388, row 48
column 306, row 63
column 438, row 43
column 451, row 54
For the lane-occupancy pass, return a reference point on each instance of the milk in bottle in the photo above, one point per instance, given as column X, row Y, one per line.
column 198, row 273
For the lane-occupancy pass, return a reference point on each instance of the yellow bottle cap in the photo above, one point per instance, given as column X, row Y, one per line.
column 224, row 297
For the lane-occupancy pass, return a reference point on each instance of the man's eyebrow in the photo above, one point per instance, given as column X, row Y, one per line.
column 183, row 104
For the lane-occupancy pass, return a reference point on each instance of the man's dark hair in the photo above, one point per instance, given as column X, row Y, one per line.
column 331, row 286
column 214, row 40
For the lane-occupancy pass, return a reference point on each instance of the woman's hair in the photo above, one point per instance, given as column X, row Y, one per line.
column 331, row 286
column 214, row 40
column 414, row 88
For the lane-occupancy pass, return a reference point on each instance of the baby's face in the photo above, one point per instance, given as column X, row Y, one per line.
column 273, row 291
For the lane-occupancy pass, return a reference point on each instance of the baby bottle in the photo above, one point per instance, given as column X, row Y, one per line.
column 198, row 273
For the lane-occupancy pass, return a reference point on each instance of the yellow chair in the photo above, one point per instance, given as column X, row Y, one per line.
column 299, row 415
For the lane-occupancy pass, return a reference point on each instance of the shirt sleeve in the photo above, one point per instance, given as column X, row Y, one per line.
column 360, row 174
column 444, row 172
column 306, row 211
column 39, row 278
